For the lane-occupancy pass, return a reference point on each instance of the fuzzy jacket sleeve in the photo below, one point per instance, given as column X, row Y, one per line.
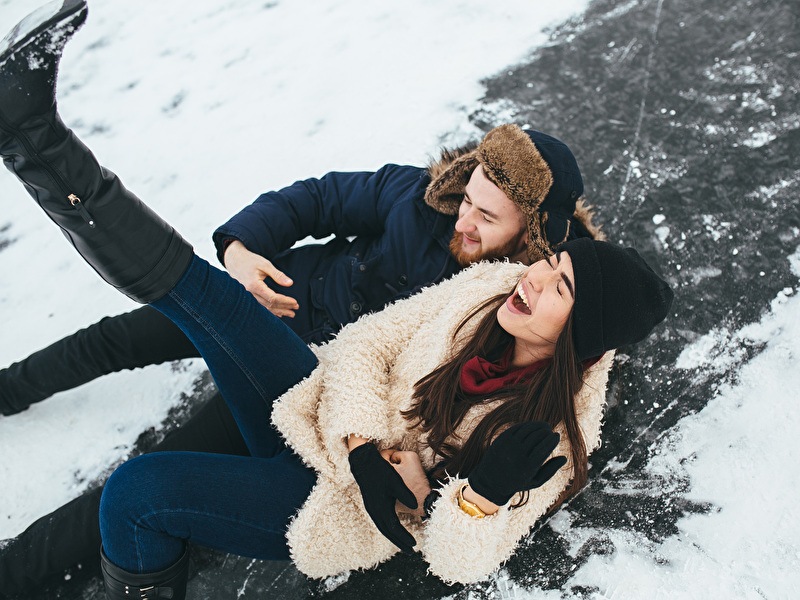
column 463, row 549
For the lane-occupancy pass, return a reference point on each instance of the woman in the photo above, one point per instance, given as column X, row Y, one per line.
column 433, row 392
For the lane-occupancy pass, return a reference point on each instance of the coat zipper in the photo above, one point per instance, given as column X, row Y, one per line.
column 73, row 199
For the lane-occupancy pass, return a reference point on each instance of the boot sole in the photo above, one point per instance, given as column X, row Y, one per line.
column 50, row 17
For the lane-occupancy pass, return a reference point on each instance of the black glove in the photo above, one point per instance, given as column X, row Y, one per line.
column 513, row 463
column 380, row 487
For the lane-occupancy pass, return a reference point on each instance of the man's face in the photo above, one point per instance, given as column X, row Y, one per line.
column 489, row 225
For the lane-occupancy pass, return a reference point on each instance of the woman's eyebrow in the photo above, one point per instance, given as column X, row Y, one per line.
column 567, row 282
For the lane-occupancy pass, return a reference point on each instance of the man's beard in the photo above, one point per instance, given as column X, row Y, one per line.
column 507, row 250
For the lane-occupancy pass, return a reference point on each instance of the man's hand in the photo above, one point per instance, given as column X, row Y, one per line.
column 251, row 269
column 409, row 466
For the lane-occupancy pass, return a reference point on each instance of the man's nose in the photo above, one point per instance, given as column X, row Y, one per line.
column 465, row 223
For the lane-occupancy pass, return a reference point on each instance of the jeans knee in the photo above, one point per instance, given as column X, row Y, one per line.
column 134, row 497
column 127, row 492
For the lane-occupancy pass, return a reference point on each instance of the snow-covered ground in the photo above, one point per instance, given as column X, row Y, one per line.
column 201, row 106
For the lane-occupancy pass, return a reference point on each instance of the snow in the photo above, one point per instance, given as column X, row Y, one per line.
column 200, row 107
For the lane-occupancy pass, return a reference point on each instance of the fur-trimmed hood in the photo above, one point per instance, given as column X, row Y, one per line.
column 536, row 171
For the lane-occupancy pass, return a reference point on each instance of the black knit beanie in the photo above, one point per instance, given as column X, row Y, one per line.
column 618, row 297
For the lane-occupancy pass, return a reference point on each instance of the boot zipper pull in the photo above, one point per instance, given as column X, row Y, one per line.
column 76, row 202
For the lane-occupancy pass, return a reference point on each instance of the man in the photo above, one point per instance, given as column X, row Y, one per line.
column 516, row 195
column 413, row 227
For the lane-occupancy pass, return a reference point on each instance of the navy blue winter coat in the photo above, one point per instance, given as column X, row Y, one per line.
column 389, row 243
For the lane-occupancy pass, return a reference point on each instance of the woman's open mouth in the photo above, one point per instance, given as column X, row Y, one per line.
column 518, row 302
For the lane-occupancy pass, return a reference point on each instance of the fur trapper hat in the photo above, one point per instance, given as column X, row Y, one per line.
column 536, row 171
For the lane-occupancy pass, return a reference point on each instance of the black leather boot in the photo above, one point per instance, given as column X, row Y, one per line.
column 128, row 245
column 167, row 584
column 136, row 339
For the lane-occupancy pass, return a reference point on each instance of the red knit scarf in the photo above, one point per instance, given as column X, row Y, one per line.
column 481, row 377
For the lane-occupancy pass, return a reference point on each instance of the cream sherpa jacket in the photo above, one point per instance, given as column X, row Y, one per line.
column 365, row 377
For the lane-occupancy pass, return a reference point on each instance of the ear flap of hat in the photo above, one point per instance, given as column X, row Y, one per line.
column 514, row 164
column 445, row 192
column 554, row 226
column 559, row 228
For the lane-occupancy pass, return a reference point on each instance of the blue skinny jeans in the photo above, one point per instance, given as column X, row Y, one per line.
column 155, row 503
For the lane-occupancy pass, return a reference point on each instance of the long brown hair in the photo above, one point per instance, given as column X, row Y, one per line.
column 440, row 404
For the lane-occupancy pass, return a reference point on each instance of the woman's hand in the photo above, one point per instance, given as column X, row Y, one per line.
column 409, row 466
column 515, row 462
column 381, row 487
column 251, row 269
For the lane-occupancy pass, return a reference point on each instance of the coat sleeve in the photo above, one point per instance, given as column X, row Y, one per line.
column 463, row 549
column 342, row 204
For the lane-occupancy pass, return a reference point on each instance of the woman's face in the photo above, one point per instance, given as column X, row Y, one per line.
column 535, row 314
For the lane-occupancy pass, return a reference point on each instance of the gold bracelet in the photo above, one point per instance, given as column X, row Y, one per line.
column 472, row 509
